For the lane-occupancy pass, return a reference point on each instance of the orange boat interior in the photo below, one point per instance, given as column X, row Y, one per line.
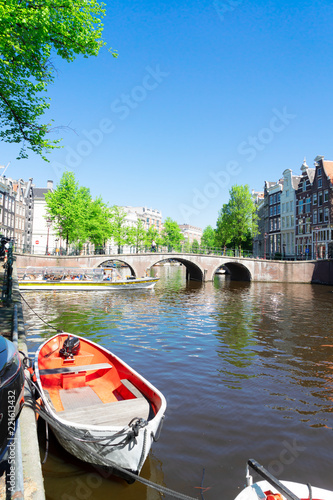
column 92, row 378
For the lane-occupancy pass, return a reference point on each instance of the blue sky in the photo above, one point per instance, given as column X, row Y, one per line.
column 203, row 95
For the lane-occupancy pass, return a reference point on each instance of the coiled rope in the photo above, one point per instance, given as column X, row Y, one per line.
column 86, row 446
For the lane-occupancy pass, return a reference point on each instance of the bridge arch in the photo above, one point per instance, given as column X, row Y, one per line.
column 193, row 271
column 236, row 270
column 116, row 259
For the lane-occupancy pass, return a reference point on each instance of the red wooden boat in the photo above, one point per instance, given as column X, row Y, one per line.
column 101, row 410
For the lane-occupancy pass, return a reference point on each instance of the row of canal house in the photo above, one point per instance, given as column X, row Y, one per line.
column 295, row 214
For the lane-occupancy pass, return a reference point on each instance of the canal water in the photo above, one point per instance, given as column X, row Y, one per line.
column 246, row 368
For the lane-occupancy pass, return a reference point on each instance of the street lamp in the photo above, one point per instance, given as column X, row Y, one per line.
column 48, row 224
column 317, row 229
column 265, row 245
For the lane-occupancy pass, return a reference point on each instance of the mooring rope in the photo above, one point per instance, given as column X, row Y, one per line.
column 45, row 322
column 86, row 446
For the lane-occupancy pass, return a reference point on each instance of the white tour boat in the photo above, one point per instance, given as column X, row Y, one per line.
column 63, row 278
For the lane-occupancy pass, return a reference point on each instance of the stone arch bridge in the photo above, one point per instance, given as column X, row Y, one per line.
column 198, row 267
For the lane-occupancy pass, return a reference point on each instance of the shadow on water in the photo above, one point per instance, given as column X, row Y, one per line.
column 68, row 478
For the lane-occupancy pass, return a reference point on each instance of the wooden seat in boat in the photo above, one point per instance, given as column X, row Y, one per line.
column 119, row 413
column 75, row 369
column 83, row 406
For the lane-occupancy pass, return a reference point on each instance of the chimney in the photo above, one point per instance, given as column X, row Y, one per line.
column 49, row 184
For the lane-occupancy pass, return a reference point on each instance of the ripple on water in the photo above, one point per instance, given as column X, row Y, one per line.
column 246, row 370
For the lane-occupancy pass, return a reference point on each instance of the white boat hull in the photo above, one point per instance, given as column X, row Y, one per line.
column 130, row 457
column 102, row 434
column 300, row 490
column 134, row 284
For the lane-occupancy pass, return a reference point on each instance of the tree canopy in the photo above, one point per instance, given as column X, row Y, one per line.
column 30, row 32
column 171, row 234
column 208, row 237
column 119, row 229
column 75, row 215
column 237, row 218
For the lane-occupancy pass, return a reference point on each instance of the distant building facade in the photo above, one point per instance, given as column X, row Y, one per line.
column 44, row 239
column 191, row 233
column 288, row 211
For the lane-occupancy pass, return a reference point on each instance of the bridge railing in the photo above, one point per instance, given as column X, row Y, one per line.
column 37, row 249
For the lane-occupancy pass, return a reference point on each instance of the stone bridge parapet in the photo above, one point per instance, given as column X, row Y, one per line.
column 199, row 267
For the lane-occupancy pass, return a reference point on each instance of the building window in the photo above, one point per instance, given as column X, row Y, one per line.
column 304, row 186
column 315, row 217
column 326, row 215
column 320, row 199
column 325, row 195
column 308, row 225
column 320, row 215
column 315, row 198
column 300, row 206
column 271, row 211
column 319, row 172
column 320, row 182
column 300, row 227
column 308, row 205
column 283, row 222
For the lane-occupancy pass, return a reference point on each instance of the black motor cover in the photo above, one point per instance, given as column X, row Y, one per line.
column 71, row 347
column 11, row 392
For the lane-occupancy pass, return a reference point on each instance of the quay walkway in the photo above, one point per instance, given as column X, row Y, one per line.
column 27, row 467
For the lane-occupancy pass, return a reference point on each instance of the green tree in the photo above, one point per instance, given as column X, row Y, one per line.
column 30, row 32
column 195, row 246
column 119, row 229
column 67, row 207
column 208, row 238
column 238, row 218
column 153, row 235
column 98, row 224
column 136, row 235
column 171, row 234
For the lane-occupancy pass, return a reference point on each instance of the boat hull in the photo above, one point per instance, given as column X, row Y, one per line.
column 144, row 283
column 300, row 490
column 106, row 434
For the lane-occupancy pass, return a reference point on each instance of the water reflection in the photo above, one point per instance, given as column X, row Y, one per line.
column 244, row 367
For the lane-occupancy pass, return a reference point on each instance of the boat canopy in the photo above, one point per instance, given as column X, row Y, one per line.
column 60, row 273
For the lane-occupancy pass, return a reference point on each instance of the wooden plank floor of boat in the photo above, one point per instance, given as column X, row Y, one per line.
column 83, row 406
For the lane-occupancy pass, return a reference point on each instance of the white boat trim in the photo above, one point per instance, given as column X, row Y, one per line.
column 130, row 457
column 78, row 279
column 287, row 490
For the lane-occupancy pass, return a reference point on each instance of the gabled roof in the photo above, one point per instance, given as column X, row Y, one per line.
column 328, row 166
column 40, row 192
column 295, row 180
column 311, row 174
